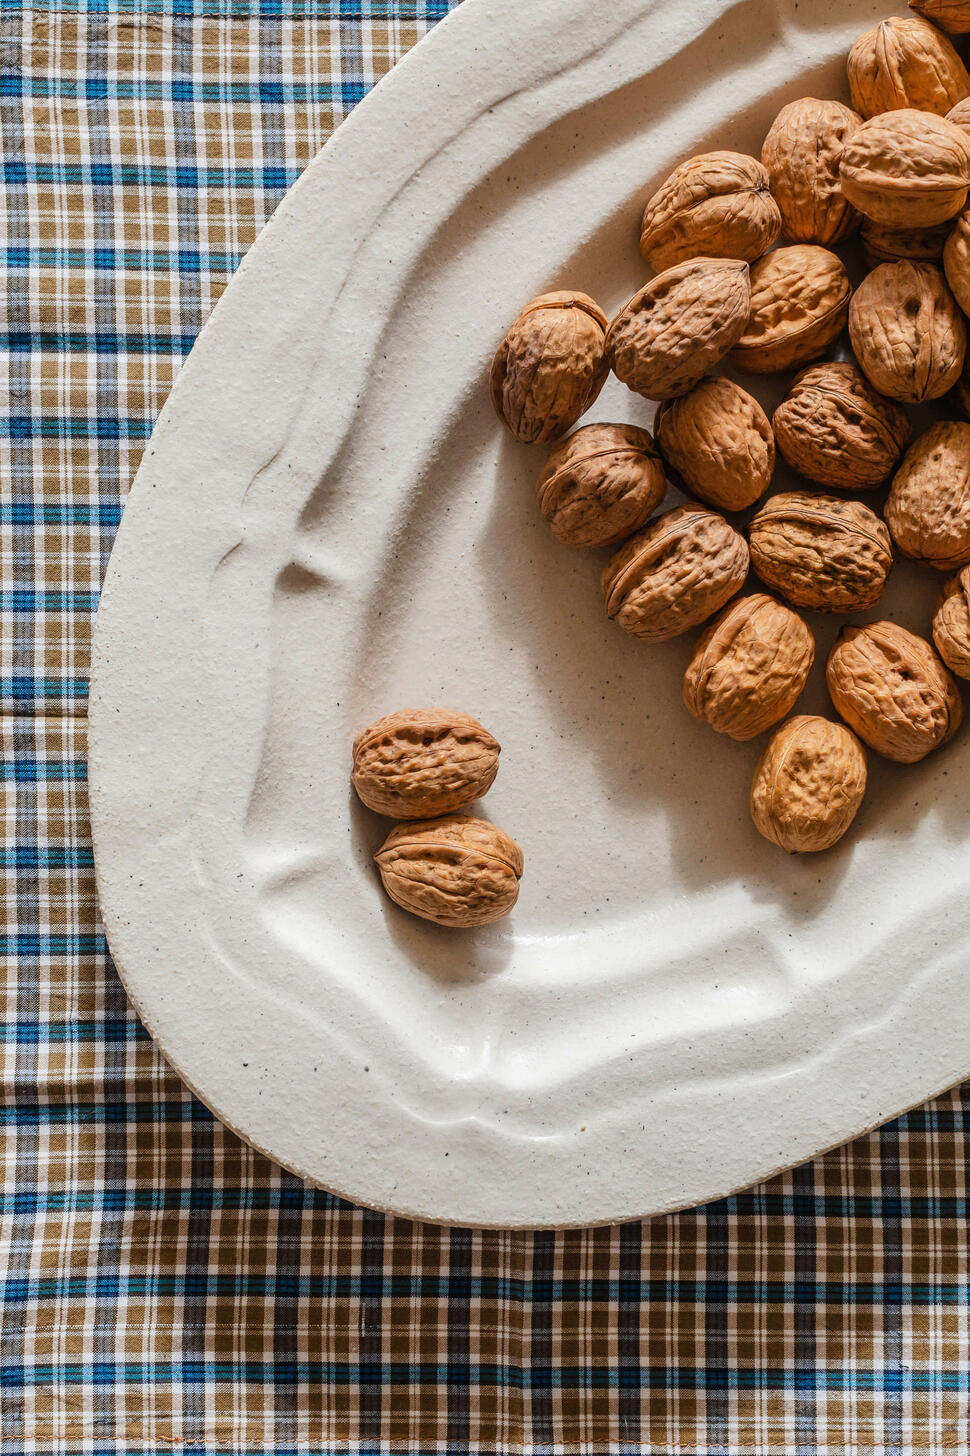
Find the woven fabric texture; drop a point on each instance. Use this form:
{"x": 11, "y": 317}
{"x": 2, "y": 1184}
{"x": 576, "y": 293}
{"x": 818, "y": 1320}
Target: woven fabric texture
{"x": 163, "y": 1288}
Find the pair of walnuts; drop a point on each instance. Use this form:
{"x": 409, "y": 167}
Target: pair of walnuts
{"x": 895, "y": 167}
{"x": 422, "y": 767}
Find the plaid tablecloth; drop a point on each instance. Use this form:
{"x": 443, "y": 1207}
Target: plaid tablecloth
{"x": 163, "y": 1288}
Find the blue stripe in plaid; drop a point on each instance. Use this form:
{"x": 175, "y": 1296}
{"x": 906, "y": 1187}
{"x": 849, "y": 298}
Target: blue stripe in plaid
{"x": 355, "y": 12}
{"x": 21, "y": 343}
{"x": 113, "y": 260}
{"x": 105, "y": 515}
{"x": 24, "y": 427}
{"x": 261, "y": 93}
{"x": 26, "y": 1033}
{"x": 33, "y": 856}
{"x": 28, "y": 688}
{"x": 42, "y": 770}
{"x": 17, "y": 173}
{"x": 32, "y": 601}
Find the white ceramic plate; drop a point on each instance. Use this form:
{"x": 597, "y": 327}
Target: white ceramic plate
{"x": 329, "y": 524}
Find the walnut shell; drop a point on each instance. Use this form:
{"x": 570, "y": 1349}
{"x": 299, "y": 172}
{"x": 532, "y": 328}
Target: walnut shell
{"x": 799, "y": 305}
{"x": 714, "y": 206}
{"x": 928, "y": 508}
{"x": 675, "y": 574}
{"x": 550, "y": 366}
{"x": 833, "y": 428}
{"x": 953, "y": 16}
{"x": 961, "y": 393}
{"x": 895, "y": 245}
{"x": 456, "y": 871}
{"x": 718, "y": 440}
{"x": 808, "y": 785}
{"x": 422, "y": 762}
{"x": 956, "y": 261}
{"x": 890, "y": 686}
{"x": 679, "y": 326}
{"x": 601, "y": 484}
{"x": 951, "y": 623}
{"x": 960, "y": 116}
{"x": 907, "y": 331}
{"x": 905, "y": 62}
{"x": 801, "y": 153}
{"x": 907, "y": 169}
{"x": 820, "y": 551}
{"x": 749, "y": 667}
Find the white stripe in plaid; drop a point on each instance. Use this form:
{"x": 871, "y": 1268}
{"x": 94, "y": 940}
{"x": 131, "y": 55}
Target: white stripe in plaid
{"x": 164, "y": 1288}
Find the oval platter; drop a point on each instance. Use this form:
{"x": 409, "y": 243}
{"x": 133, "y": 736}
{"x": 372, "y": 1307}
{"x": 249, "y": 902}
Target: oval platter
{"x": 328, "y": 524}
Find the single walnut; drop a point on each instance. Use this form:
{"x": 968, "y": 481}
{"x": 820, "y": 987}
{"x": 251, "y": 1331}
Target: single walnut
{"x": 961, "y": 393}
{"x": 821, "y": 552}
{"x": 749, "y": 667}
{"x": 601, "y": 484}
{"x": 956, "y": 261}
{"x": 799, "y": 305}
{"x": 456, "y": 871}
{"x": 675, "y": 574}
{"x": 896, "y": 245}
{"x": 833, "y": 428}
{"x": 907, "y": 169}
{"x": 714, "y": 206}
{"x": 953, "y": 16}
{"x": 907, "y": 332}
{"x": 418, "y": 763}
{"x": 550, "y": 366}
{"x": 679, "y": 326}
{"x": 905, "y": 62}
{"x": 801, "y": 153}
{"x": 890, "y": 686}
{"x": 808, "y": 785}
{"x": 928, "y": 509}
{"x": 951, "y": 623}
{"x": 718, "y": 440}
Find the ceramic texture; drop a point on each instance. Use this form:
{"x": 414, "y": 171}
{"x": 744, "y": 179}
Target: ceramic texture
{"x": 330, "y": 524}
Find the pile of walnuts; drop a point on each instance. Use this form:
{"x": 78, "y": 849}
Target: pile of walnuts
{"x": 895, "y": 166}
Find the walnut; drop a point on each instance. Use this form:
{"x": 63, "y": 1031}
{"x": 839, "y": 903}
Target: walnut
{"x": 799, "y": 305}
{"x": 808, "y": 785}
{"x": 820, "y": 551}
{"x": 833, "y": 428}
{"x": 714, "y": 206}
{"x": 749, "y": 667}
{"x": 422, "y": 762}
{"x": 961, "y": 393}
{"x": 956, "y": 261}
{"x": 960, "y": 116}
{"x": 550, "y": 366}
{"x": 905, "y": 62}
{"x": 718, "y": 440}
{"x": 801, "y": 153}
{"x": 679, "y": 326}
{"x": 896, "y": 245}
{"x": 953, "y": 16}
{"x": 456, "y": 871}
{"x": 907, "y": 332}
{"x": 951, "y": 623}
{"x": 601, "y": 484}
{"x": 675, "y": 574}
{"x": 890, "y": 686}
{"x": 907, "y": 169}
{"x": 928, "y": 509}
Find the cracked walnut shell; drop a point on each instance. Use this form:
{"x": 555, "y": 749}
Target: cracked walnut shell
{"x": 675, "y": 574}
{"x": 550, "y": 366}
{"x": 718, "y": 440}
{"x": 907, "y": 332}
{"x": 717, "y": 205}
{"x": 749, "y": 667}
{"x": 418, "y": 763}
{"x": 928, "y": 508}
{"x": 833, "y": 428}
{"x": 674, "y": 331}
{"x": 799, "y": 305}
{"x": 601, "y": 484}
{"x": 951, "y": 623}
{"x": 905, "y": 62}
{"x": 893, "y": 690}
{"x": 801, "y": 153}
{"x": 907, "y": 169}
{"x": 457, "y": 871}
{"x": 820, "y": 551}
{"x": 808, "y": 785}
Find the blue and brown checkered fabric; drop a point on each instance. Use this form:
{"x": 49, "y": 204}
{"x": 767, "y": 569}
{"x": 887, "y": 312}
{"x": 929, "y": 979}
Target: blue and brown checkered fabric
{"x": 163, "y": 1288}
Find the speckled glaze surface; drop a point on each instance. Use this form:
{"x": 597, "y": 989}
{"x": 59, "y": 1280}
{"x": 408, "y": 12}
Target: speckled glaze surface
{"x": 330, "y": 524}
